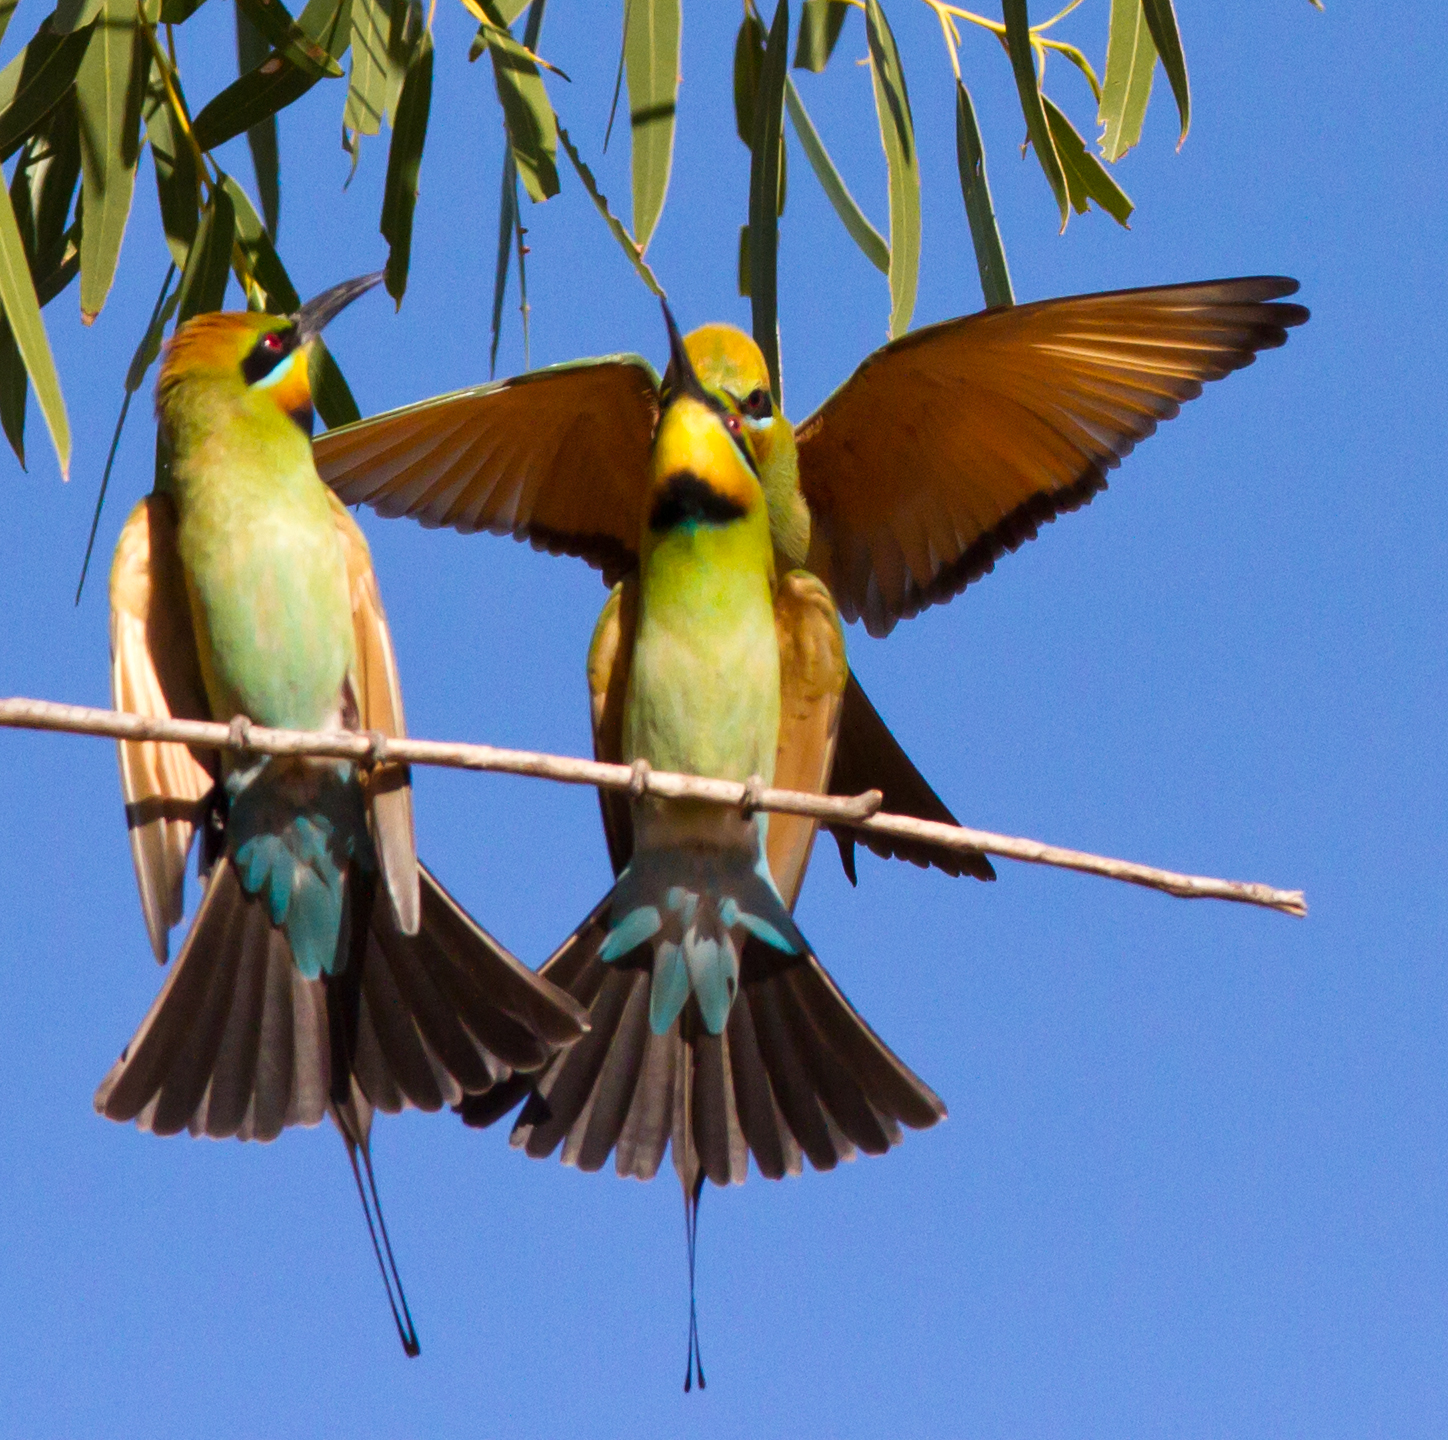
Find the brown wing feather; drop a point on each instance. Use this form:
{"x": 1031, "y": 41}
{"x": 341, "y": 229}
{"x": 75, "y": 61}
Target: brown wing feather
{"x": 378, "y": 694}
{"x": 868, "y": 757}
{"x": 950, "y": 446}
{"x": 812, "y": 676}
{"x": 557, "y": 457}
{"x": 610, "y": 658}
{"x": 154, "y": 671}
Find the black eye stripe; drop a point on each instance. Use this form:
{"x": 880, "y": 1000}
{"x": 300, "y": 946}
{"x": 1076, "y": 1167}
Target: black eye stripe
{"x": 269, "y": 351}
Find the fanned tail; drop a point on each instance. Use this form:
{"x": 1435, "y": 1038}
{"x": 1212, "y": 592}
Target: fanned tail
{"x": 240, "y": 1043}
{"x": 795, "y": 1073}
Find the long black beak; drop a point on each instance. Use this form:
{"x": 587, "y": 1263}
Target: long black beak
{"x": 318, "y": 313}
{"x": 679, "y": 378}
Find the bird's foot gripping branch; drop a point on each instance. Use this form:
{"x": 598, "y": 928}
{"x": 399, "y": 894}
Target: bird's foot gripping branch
{"x": 858, "y": 812}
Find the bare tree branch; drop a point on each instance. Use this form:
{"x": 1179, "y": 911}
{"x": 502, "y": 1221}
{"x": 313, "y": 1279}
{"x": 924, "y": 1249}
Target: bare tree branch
{"x": 860, "y": 812}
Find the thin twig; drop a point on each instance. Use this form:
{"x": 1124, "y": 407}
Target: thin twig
{"x": 859, "y": 812}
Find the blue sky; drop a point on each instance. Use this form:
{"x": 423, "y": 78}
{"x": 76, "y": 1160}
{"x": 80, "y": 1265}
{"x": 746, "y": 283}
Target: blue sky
{"x": 1193, "y": 1178}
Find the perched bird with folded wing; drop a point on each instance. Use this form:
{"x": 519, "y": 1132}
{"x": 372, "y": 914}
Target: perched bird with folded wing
{"x": 714, "y": 1029}
{"x": 944, "y": 450}
{"x": 326, "y": 971}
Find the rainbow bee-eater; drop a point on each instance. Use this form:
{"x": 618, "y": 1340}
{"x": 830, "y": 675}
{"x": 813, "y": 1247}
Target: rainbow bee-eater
{"x": 944, "y": 450}
{"x": 714, "y": 1029}
{"x": 326, "y": 972}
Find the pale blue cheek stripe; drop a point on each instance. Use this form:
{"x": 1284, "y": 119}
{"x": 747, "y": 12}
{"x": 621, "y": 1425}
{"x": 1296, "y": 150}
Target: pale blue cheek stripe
{"x": 275, "y": 377}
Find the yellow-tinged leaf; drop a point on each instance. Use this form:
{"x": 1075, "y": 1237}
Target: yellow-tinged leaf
{"x": 1086, "y": 177}
{"x": 651, "y": 57}
{"x": 1130, "y": 64}
{"x": 630, "y": 247}
{"x": 897, "y": 135}
{"x": 110, "y": 86}
{"x": 870, "y": 241}
{"x": 527, "y": 112}
{"x": 380, "y": 46}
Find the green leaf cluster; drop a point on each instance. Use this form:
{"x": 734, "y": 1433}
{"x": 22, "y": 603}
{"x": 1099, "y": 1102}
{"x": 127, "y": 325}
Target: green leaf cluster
{"x": 97, "y": 84}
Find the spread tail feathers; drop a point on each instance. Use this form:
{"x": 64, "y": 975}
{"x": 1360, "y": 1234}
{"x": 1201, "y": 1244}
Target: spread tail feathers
{"x": 240, "y": 1043}
{"x": 794, "y": 1073}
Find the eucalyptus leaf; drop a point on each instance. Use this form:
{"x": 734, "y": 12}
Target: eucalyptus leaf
{"x": 749, "y": 47}
{"x": 278, "y": 81}
{"x": 404, "y": 160}
{"x": 36, "y": 80}
{"x": 175, "y": 12}
{"x": 651, "y": 58}
{"x": 379, "y": 63}
{"x": 72, "y": 15}
{"x": 259, "y": 253}
{"x": 1130, "y": 64}
{"x": 870, "y": 241}
{"x": 1023, "y": 66}
{"x": 203, "y": 281}
{"x": 273, "y": 22}
{"x": 507, "y": 220}
{"x": 45, "y": 181}
{"x": 897, "y": 135}
{"x": 331, "y": 395}
{"x": 764, "y": 173}
{"x": 177, "y": 184}
{"x": 1162, "y": 21}
{"x": 985, "y": 235}
{"x": 1086, "y": 177}
{"x": 261, "y": 139}
{"x": 110, "y": 85}
{"x": 14, "y": 391}
{"x": 500, "y": 12}
{"x": 616, "y": 227}
{"x": 527, "y": 113}
{"x": 748, "y": 63}
{"x": 22, "y": 311}
{"x": 820, "y": 22}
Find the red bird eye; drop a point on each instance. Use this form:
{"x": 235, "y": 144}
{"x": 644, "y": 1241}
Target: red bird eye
{"x": 759, "y": 405}
{"x": 733, "y": 425}
{"x": 272, "y": 343}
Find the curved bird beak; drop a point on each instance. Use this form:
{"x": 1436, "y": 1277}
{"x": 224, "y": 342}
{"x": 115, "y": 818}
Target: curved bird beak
{"x": 679, "y": 378}
{"x": 318, "y": 313}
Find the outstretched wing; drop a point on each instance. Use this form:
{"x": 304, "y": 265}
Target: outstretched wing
{"x": 950, "y": 446}
{"x": 812, "y": 676}
{"x": 557, "y": 457}
{"x": 378, "y": 695}
{"x": 155, "y": 672}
